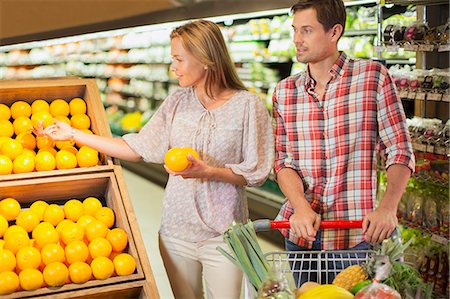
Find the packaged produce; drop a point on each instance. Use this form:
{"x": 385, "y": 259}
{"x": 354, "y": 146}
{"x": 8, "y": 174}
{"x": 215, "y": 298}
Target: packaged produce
{"x": 377, "y": 291}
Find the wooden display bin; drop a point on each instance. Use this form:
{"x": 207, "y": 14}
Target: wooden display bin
{"x": 112, "y": 193}
{"x": 66, "y": 89}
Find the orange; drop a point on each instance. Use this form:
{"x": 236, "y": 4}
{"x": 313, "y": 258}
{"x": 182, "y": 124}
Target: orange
{"x": 54, "y": 214}
{"x": 9, "y": 208}
{"x": 31, "y": 279}
{"x": 44, "y": 161}
{"x": 42, "y": 116}
{"x": 5, "y": 113}
{"x": 28, "y": 258}
{"x": 65, "y": 160}
{"x": 23, "y": 163}
{"x": 9, "y": 282}
{"x": 102, "y": 267}
{"x": 85, "y": 220}
{"x": 62, "y": 144}
{"x": 80, "y": 121}
{"x": 105, "y": 215}
{"x": 62, "y": 226}
{"x": 80, "y": 144}
{"x": 64, "y": 119}
{"x": 3, "y": 139}
{"x": 20, "y": 108}
{"x": 176, "y": 158}
{"x": 87, "y": 157}
{"x": 73, "y": 209}
{"x": 56, "y": 274}
{"x": 80, "y": 272}
{"x": 59, "y": 107}
{"x": 51, "y": 150}
{"x": 39, "y": 207}
{"x": 71, "y": 149}
{"x": 96, "y": 229}
{"x": 76, "y": 251}
{"x": 51, "y": 253}
{"x": 6, "y": 165}
{"x": 77, "y": 106}
{"x": 29, "y": 153}
{"x": 91, "y": 205}
{"x": 118, "y": 239}
{"x": 28, "y": 220}
{"x": 11, "y": 148}
{"x": 15, "y": 242}
{"x": 3, "y": 225}
{"x": 99, "y": 247}
{"x": 22, "y": 124}
{"x": 124, "y": 264}
{"x": 14, "y": 230}
{"x": 44, "y": 142}
{"x": 193, "y": 152}
{"x": 7, "y": 260}
{"x": 72, "y": 232}
{"x": 39, "y": 105}
{"x": 2, "y": 243}
{"x": 6, "y": 128}
{"x": 27, "y": 140}
{"x": 44, "y": 233}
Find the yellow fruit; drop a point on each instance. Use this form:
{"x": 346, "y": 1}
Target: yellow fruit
{"x": 63, "y": 144}
{"x": 80, "y": 121}
{"x": 71, "y": 149}
{"x": 15, "y": 242}
{"x": 39, "y": 207}
{"x": 23, "y": 163}
{"x": 62, "y": 226}
{"x": 102, "y": 267}
{"x": 51, "y": 253}
{"x": 176, "y": 158}
{"x": 65, "y": 160}
{"x": 96, "y": 229}
{"x": 72, "y": 232}
{"x": 99, "y": 247}
{"x": 28, "y": 258}
{"x": 6, "y": 128}
{"x": 118, "y": 239}
{"x": 3, "y": 225}
{"x": 59, "y": 107}
{"x": 14, "y": 230}
{"x": 20, "y": 108}
{"x": 42, "y": 116}
{"x": 87, "y": 157}
{"x": 6, "y": 165}
{"x": 5, "y": 113}
{"x": 84, "y": 220}
{"x": 326, "y": 291}
{"x": 29, "y": 153}
{"x": 77, "y": 106}
{"x": 76, "y": 251}
{"x": 28, "y": 220}
{"x": 11, "y": 148}
{"x": 80, "y": 272}
{"x": 7, "y": 260}
{"x": 9, "y": 282}
{"x": 44, "y": 161}
{"x": 51, "y": 150}
{"x": 64, "y": 119}
{"x": 124, "y": 264}
{"x": 350, "y": 276}
{"x": 44, "y": 142}
{"x": 39, "y": 105}
{"x": 31, "y": 279}
{"x": 73, "y": 209}
{"x": 54, "y": 214}
{"x": 22, "y": 124}
{"x": 91, "y": 205}
{"x": 9, "y": 208}
{"x": 305, "y": 287}
{"x": 27, "y": 140}
{"x": 105, "y": 215}
{"x": 44, "y": 233}
{"x": 56, "y": 274}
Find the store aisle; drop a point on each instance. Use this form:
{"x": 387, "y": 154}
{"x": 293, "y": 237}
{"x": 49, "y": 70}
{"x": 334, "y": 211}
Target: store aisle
{"x": 147, "y": 203}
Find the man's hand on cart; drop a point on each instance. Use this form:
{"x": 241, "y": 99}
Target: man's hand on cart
{"x": 379, "y": 225}
{"x": 305, "y": 223}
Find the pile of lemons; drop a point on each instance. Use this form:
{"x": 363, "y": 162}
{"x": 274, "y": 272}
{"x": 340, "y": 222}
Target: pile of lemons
{"x": 48, "y": 245}
{"x": 21, "y": 151}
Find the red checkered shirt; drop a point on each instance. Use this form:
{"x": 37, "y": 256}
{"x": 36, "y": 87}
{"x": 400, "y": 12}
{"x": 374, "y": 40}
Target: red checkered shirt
{"x": 333, "y": 142}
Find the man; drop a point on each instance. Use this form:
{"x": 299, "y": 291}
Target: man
{"x": 330, "y": 122}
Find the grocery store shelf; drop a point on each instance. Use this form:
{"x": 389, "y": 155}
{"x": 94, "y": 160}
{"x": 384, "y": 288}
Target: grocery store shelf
{"x": 437, "y": 236}
{"x": 360, "y": 32}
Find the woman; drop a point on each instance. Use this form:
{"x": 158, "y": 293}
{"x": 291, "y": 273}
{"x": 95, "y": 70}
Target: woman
{"x": 230, "y": 129}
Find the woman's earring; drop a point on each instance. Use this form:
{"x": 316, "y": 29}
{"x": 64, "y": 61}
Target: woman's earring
{"x": 206, "y": 68}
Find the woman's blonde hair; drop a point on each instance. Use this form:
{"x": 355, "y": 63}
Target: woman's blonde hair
{"x": 204, "y": 40}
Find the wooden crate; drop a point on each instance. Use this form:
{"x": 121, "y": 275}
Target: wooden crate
{"x": 113, "y": 193}
{"x": 66, "y": 89}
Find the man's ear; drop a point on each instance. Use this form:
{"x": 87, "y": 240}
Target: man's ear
{"x": 336, "y": 31}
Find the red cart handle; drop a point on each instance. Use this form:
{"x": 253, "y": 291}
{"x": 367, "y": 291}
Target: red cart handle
{"x": 266, "y": 224}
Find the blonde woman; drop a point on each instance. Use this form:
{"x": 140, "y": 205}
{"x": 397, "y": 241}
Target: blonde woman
{"x": 230, "y": 129}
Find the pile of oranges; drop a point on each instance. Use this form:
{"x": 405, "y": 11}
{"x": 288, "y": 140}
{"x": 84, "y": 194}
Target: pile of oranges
{"x": 49, "y": 245}
{"x": 21, "y": 151}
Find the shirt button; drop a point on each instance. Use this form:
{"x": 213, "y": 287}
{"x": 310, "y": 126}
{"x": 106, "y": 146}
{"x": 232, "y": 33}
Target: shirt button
{"x": 325, "y": 134}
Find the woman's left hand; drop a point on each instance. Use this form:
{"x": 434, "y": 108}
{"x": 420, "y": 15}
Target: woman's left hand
{"x": 197, "y": 170}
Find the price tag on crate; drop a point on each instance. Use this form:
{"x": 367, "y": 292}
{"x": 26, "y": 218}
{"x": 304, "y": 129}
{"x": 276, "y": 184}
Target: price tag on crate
{"x": 446, "y": 97}
{"x": 432, "y": 96}
{"x": 420, "y": 96}
{"x": 444, "y": 48}
{"x": 410, "y": 47}
{"x": 379, "y": 48}
{"x": 392, "y": 48}
{"x": 430, "y": 148}
{"x": 403, "y": 94}
{"x": 440, "y": 150}
{"x": 420, "y": 147}
{"x": 426, "y": 48}
{"x": 411, "y": 95}
{"x": 439, "y": 239}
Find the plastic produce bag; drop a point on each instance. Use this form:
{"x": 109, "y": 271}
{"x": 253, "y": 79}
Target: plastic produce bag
{"x": 275, "y": 286}
{"x": 377, "y": 291}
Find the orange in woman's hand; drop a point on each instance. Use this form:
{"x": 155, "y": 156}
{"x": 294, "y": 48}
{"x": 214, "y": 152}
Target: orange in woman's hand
{"x": 176, "y": 158}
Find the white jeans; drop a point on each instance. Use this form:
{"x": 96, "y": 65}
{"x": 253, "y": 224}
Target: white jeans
{"x": 185, "y": 262}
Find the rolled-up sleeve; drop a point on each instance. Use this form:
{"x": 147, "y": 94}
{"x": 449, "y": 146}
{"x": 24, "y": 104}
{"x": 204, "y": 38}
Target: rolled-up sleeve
{"x": 393, "y": 130}
{"x": 258, "y": 145}
{"x": 152, "y": 141}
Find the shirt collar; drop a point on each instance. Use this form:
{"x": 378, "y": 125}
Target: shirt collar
{"x": 337, "y": 70}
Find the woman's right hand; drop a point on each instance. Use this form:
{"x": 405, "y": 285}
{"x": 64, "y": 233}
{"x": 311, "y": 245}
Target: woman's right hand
{"x": 58, "y": 131}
